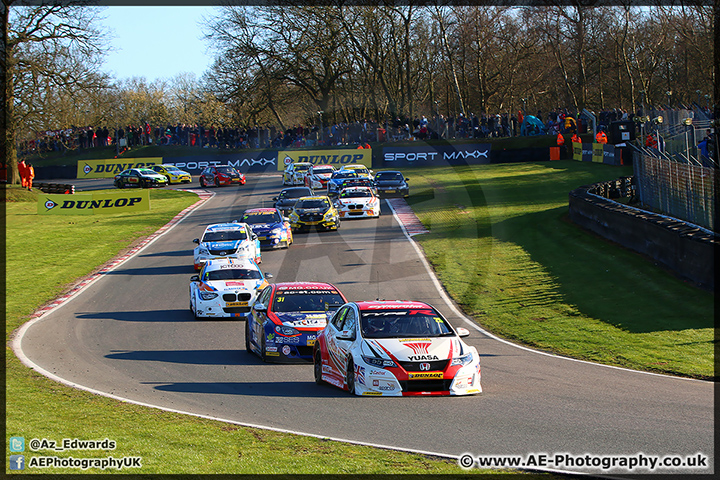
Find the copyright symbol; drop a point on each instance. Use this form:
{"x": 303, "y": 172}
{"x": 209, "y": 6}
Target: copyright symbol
{"x": 34, "y": 444}
{"x": 466, "y": 461}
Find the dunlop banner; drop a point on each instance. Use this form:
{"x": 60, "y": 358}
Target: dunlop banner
{"x": 336, "y": 158}
{"x": 108, "y": 168}
{"x": 577, "y": 151}
{"x": 94, "y": 203}
{"x": 597, "y": 155}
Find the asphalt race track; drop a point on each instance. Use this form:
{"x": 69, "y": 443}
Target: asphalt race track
{"x": 130, "y": 334}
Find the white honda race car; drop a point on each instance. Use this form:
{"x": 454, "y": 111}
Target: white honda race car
{"x": 226, "y": 240}
{"x": 317, "y": 176}
{"x": 358, "y": 202}
{"x": 226, "y": 288}
{"x": 396, "y": 348}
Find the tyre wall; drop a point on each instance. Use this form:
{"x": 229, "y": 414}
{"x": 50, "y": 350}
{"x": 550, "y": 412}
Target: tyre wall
{"x": 686, "y": 249}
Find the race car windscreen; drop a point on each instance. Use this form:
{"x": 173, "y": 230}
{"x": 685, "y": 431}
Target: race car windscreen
{"x": 261, "y": 217}
{"x": 224, "y": 236}
{"x": 306, "y": 301}
{"x": 403, "y": 323}
{"x": 327, "y": 169}
{"x": 295, "y": 193}
{"x": 355, "y": 193}
{"x": 227, "y": 170}
{"x": 346, "y": 174}
{"x": 314, "y": 203}
{"x": 233, "y": 274}
{"x": 386, "y": 176}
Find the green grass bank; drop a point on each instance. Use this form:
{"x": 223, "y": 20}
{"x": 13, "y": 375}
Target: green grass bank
{"x": 503, "y": 247}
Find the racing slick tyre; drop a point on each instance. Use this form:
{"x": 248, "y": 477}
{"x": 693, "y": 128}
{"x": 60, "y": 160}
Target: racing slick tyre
{"x": 202, "y": 182}
{"x": 217, "y": 183}
{"x": 262, "y": 349}
{"x": 350, "y": 376}
{"x": 247, "y": 337}
{"x": 317, "y": 368}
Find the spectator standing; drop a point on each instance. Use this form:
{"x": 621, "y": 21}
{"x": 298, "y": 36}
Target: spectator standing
{"x": 30, "y": 175}
{"x": 601, "y": 137}
{"x": 22, "y": 170}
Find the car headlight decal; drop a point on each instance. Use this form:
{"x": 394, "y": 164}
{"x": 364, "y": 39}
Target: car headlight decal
{"x": 464, "y": 360}
{"x": 286, "y": 331}
{"x": 207, "y": 295}
{"x": 378, "y": 362}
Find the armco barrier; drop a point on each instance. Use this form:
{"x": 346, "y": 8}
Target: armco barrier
{"x": 686, "y": 249}
{"x": 55, "y": 188}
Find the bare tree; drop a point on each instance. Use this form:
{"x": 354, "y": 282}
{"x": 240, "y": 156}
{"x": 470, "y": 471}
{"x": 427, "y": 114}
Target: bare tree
{"x": 47, "y": 48}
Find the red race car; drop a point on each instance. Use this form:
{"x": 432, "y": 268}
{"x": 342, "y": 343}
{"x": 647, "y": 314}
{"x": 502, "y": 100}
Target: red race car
{"x": 395, "y": 348}
{"x": 221, "y": 175}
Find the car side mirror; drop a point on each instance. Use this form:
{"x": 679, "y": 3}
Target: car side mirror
{"x": 406, "y": 179}
{"x": 275, "y": 199}
{"x": 269, "y": 275}
{"x": 332, "y": 307}
{"x": 196, "y": 240}
{"x": 286, "y": 219}
{"x": 260, "y": 307}
{"x": 195, "y": 278}
{"x": 346, "y": 335}
{"x": 462, "y": 332}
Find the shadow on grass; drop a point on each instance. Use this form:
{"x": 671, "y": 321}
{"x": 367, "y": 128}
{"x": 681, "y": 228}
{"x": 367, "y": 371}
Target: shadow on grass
{"x": 604, "y": 280}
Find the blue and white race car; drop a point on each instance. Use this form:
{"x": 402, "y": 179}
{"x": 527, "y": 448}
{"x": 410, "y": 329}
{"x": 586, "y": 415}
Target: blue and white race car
{"x": 226, "y": 240}
{"x": 286, "y": 318}
{"x": 273, "y": 230}
{"x": 226, "y": 288}
{"x": 336, "y": 180}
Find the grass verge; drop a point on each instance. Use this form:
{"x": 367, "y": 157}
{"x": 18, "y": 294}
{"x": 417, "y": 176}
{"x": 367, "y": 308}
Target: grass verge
{"x": 37, "y": 407}
{"x": 529, "y": 274}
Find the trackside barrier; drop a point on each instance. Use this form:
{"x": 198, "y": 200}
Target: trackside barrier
{"x": 623, "y": 187}
{"x": 55, "y": 188}
{"x": 684, "y": 248}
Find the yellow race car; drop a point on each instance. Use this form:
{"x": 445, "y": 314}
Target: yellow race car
{"x": 173, "y": 174}
{"x": 314, "y": 212}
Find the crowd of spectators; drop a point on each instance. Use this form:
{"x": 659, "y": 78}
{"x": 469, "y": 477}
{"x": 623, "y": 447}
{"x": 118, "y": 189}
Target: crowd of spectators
{"x": 459, "y": 126}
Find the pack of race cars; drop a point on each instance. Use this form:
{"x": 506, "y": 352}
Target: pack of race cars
{"x": 391, "y": 348}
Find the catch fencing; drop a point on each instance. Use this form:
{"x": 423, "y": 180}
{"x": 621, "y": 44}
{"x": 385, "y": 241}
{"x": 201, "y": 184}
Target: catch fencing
{"x": 680, "y": 190}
